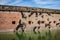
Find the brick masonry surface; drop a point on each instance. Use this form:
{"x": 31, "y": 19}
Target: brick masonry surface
{"x": 10, "y": 19}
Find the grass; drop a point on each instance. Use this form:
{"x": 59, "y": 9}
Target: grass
{"x": 43, "y": 35}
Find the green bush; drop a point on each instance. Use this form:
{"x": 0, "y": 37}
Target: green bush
{"x": 45, "y": 35}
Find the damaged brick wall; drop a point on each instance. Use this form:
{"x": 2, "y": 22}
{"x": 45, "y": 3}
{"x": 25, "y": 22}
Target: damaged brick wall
{"x": 42, "y": 20}
{"x": 8, "y": 20}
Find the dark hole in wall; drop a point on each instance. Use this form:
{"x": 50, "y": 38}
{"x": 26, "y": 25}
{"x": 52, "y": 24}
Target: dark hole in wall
{"x": 29, "y": 22}
{"x": 49, "y": 14}
{"x": 19, "y": 21}
{"x": 42, "y": 16}
{"x": 38, "y": 22}
{"x": 42, "y": 21}
{"x": 57, "y": 24}
{"x": 54, "y": 21}
{"x": 49, "y": 27}
{"x": 59, "y": 19}
{"x": 32, "y": 22}
{"x": 23, "y": 15}
{"x": 49, "y": 22}
{"x": 38, "y": 27}
{"x": 31, "y": 14}
{"x": 34, "y": 28}
{"x": 13, "y": 22}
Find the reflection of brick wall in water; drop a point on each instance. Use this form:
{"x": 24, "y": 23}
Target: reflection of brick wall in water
{"x": 10, "y": 19}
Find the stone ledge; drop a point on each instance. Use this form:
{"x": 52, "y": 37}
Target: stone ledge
{"x": 26, "y": 9}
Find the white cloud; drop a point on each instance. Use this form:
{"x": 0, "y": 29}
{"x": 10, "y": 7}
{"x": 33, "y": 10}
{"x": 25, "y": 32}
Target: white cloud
{"x": 55, "y": 4}
{"x": 52, "y": 4}
{"x": 46, "y": 2}
{"x": 7, "y": 2}
{"x": 17, "y": 1}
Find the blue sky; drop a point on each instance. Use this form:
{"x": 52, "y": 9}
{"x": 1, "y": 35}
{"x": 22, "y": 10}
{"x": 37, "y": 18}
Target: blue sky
{"x": 52, "y": 4}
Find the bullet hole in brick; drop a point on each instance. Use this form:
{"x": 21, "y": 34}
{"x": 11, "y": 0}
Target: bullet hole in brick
{"x": 13, "y": 22}
{"x": 42, "y": 21}
{"x": 49, "y": 27}
{"x": 38, "y": 27}
{"x": 54, "y": 21}
{"x": 45, "y": 25}
{"x": 38, "y": 22}
{"x": 59, "y": 19}
{"x": 31, "y": 14}
{"x": 49, "y": 22}
{"x": 29, "y": 22}
{"x": 57, "y": 24}
{"x": 42, "y": 16}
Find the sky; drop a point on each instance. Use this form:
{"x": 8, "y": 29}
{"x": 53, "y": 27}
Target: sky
{"x": 51, "y": 4}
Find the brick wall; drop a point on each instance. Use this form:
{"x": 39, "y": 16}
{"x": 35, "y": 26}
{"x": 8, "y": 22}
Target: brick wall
{"x": 9, "y": 20}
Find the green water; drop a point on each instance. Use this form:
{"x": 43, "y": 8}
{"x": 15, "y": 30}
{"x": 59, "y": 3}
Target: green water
{"x": 42, "y": 35}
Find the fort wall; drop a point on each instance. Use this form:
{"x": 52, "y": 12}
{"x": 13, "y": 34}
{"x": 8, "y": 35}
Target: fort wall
{"x": 10, "y": 16}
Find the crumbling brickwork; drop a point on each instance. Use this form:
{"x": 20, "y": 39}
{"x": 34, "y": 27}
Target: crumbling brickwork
{"x": 32, "y": 17}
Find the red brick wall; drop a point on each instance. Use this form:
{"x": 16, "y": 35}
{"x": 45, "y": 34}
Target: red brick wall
{"x": 6, "y": 19}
